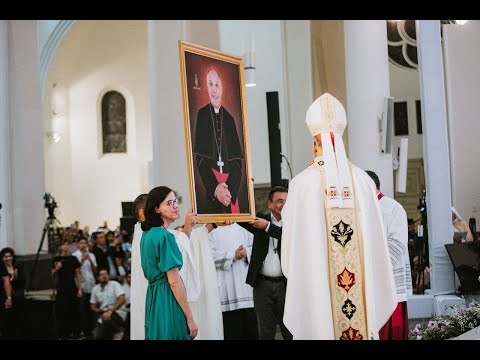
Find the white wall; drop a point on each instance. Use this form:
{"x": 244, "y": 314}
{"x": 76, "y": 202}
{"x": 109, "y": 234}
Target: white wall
{"x": 462, "y": 57}
{"x": 404, "y": 86}
{"x": 269, "y": 74}
{"x": 95, "y": 57}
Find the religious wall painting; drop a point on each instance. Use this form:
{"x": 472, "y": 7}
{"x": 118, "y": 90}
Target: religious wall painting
{"x": 216, "y": 134}
{"x": 114, "y": 123}
{"x": 400, "y": 116}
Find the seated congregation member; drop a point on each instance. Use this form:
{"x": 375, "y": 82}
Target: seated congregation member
{"x": 106, "y": 301}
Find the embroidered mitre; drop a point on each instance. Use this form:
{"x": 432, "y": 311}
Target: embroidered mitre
{"x": 326, "y": 115}
{"x": 326, "y": 118}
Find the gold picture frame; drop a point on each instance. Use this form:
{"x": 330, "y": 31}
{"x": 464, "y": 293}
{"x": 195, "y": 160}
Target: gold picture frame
{"x": 216, "y": 134}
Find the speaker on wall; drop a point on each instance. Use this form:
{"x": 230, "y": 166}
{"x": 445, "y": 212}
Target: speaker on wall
{"x": 274, "y": 141}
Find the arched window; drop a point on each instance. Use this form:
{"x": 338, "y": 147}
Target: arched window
{"x": 114, "y": 123}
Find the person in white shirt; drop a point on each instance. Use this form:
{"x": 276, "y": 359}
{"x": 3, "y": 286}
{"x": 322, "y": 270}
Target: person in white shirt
{"x": 106, "y": 300}
{"x": 265, "y": 271}
{"x": 396, "y": 227}
{"x": 88, "y": 272}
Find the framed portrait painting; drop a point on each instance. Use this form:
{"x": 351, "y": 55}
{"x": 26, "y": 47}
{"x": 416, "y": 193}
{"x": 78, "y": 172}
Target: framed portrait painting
{"x": 216, "y": 134}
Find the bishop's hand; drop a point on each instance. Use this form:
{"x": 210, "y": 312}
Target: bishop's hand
{"x": 223, "y": 194}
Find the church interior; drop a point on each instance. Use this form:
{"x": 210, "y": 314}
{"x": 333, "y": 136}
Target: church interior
{"x": 61, "y": 77}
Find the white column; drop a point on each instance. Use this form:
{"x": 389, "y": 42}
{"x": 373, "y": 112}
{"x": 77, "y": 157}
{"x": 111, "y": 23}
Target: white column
{"x": 298, "y": 94}
{"x": 435, "y": 150}
{"x": 169, "y": 164}
{"x": 27, "y": 137}
{"x": 5, "y": 169}
{"x": 367, "y": 82}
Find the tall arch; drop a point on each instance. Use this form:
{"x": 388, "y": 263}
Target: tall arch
{"x": 47, "y": 51}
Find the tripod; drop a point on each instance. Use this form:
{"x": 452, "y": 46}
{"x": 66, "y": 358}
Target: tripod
{"x": 49, "y": 228}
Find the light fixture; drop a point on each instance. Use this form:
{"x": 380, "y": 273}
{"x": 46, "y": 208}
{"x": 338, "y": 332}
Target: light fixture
{"x": 461, "y": 22}
{"x": 250, "y": 77}
{"x": 249, "y": 64}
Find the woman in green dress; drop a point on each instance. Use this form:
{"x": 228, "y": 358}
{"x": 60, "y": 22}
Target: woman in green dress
{"x": 167, "y": 313}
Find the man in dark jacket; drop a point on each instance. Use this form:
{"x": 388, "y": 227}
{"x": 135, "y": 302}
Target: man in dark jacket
{"x": 265, "y": 272}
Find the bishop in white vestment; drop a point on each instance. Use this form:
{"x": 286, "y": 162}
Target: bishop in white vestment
{"x": 334, "y": 252}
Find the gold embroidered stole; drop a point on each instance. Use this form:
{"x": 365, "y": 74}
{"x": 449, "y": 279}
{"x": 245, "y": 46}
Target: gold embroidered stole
{"x": 345, "y": 263}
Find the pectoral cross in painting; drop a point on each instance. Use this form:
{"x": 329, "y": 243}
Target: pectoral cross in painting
{"x": 220, "y": 163}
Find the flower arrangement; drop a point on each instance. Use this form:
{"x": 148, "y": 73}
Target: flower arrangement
{"x": 445, "y": 327}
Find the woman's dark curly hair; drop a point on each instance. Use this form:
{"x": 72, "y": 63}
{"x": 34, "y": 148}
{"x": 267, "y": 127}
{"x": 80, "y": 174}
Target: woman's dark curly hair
{"x": 154, "y": 199}
{"x": 6, "y": 251}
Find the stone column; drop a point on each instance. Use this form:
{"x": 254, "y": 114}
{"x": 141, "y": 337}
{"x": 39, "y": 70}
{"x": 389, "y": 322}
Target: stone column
{"x": 27, "y": 136}
{"x": 367, "y": 83}
{"x": 169, "y": 163}
{"x": 299, "y": 96}
{"x": 435, "y": 153}
{"x": 5, "y": 166}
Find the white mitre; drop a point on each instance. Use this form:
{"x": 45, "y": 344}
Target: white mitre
{"x": 326, "y": 117}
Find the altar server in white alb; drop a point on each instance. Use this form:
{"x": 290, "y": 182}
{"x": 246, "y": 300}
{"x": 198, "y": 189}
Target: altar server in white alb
{"x": 334, "y": 251}
{"x": 396, "y": 227}
{"x": 231, "y": 250}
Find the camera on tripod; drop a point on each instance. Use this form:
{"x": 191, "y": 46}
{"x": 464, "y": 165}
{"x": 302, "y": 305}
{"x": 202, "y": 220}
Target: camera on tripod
{"x": 422, "y": 206}
{"x": 50, "y": 204}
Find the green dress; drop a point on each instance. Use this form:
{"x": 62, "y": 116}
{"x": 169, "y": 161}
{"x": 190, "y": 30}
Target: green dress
{"x": 164, "y": 318}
